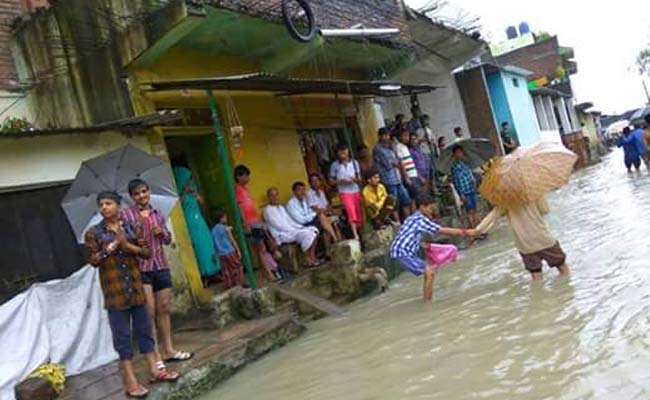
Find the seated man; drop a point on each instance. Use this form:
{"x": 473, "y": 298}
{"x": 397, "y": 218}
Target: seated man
{"x": 300, "y": 211}
{"x": 285, "y": 230}
{"x": 379, "y": 204}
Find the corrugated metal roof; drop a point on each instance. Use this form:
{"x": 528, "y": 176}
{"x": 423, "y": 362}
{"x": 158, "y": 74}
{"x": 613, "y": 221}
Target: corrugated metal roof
{"x": 549, "y": 92}
{"x": 128, "y": 124}
{"x": 263, "y": 82}
{"x": 451, "y": 45}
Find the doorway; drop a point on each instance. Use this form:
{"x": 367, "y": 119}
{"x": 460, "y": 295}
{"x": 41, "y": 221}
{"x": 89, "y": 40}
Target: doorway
{"x": 318, "y": 145}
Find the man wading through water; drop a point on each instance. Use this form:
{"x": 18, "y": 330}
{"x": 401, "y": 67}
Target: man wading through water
{"x": 533, "y": 238}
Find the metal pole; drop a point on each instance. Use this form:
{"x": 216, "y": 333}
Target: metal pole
{"x": 645, "y": 87}
{"x": 359, "y": 32}
{"x": 230, "y": 187}
{"x": 346, "y": 132}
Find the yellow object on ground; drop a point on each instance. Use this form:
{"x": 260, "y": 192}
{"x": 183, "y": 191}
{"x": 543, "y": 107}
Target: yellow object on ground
{"x": 54, "y": 373}
{"x": 527, "y": 174}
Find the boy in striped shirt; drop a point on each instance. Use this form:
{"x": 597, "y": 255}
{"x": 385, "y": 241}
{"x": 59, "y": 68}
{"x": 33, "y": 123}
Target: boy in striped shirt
{"x": 406, "y": 247}
{"x": 409, "y": 171}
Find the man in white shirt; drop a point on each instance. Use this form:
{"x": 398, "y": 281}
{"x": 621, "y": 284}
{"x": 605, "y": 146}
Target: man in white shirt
{"x": 285, "y": 230}
{"x": 301, "y": 212}
{"x": 317, "y": 200}
{"x": 409, "y": 172}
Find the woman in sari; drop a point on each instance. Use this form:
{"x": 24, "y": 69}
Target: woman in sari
{"x": 199, "y": 231}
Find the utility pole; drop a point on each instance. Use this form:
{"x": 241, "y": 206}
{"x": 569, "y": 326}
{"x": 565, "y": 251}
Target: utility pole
{"x": 645, "y": 88}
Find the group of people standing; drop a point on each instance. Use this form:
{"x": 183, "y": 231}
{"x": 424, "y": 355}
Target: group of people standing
{"x": 636, "y": 145}
{"x": 379, "y": 186}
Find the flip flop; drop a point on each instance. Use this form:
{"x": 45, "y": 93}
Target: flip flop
{"x": 160, "y": 365}
{"x": 180, "y": 356}
{"x": 284, "y": 274}
{"x": 165, "y": 376}
{"x": 141, "y": 393}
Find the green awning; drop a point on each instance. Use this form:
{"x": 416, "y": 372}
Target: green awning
{"x": 221, "y": 32}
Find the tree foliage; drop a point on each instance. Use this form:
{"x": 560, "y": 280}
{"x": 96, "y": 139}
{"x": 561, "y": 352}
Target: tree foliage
{"x": 643, "y": 61}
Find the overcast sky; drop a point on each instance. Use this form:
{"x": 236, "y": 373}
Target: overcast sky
{"x": 606, "y": 37}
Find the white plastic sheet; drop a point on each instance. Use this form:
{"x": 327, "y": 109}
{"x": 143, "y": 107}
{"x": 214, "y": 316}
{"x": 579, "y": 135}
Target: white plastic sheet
{"x": 60, "y": 321}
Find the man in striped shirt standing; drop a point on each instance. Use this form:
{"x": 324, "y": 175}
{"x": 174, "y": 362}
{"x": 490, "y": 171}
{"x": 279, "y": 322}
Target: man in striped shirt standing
{"x": 155, "y": 272}
{"x": 407, "y": 245}
{"x": 409, "y": 171}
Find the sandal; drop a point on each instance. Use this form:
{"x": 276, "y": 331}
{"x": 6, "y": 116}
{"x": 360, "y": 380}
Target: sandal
{"x": 180, "y": 356}
{"x": 284, "y": 274}
{"x": 141, "y": 392}
{"x": 165, "y": 376}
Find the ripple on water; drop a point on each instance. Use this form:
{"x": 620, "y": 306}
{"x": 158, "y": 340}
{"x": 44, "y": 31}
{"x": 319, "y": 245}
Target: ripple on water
{"x": 489, "y": 333}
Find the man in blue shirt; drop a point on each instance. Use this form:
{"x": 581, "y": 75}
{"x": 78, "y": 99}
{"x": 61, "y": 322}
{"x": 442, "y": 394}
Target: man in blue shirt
{"x": 640, "y": 143}
{"x": 406, "y": 246}
{"x": 388, "y": 166}
{"x": 464, "y": 183}
{"x": 633, "y": 147}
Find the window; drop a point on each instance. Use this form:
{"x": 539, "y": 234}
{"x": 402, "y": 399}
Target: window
{"x": 36, "y": 241}
{"x": 515, "y": 82}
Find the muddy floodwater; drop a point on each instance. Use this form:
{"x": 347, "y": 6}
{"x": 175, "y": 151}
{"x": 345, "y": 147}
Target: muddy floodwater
{"x": 489, "y": 334}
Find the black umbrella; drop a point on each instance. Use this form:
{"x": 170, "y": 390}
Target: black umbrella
{"x": 113, "y": 171}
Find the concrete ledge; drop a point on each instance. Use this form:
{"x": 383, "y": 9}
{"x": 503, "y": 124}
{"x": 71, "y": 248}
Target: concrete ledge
{"x": 218, "y": 355}
{"x": 241, "y": 325}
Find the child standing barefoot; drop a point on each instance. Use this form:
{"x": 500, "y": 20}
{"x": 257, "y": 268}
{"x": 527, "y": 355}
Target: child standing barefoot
{"x": 406, "y": 246}
{"x": 228, "y": 252}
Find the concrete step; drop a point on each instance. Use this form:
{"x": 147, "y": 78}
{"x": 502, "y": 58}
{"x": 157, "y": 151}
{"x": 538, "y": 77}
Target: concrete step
{"x": 303, "y": 296}
{"x": 218, "y": 355}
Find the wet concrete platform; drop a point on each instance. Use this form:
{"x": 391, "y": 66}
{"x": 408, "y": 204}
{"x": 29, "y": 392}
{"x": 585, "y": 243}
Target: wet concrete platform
{"x": 218, "y": 355}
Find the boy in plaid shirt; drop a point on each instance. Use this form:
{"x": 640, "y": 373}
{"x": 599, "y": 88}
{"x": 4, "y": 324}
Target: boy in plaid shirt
{"x": 114, "y": 246}
{"x": 464, "y": 183}
{"x": 407, "y": 245}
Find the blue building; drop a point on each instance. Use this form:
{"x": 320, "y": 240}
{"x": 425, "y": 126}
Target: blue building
{"x": 512, "y": 102}
{"x": 495, "y": 94}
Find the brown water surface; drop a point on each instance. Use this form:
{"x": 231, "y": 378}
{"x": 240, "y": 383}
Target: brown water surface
{"x": 490, "y": 334}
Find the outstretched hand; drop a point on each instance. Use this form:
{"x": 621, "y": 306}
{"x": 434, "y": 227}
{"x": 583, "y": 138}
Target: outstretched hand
{"x": 473, "y": 232}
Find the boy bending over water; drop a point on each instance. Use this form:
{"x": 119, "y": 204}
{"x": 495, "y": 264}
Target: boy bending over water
{"x": 406, "y": 246}
{"x": 533, "y": 239}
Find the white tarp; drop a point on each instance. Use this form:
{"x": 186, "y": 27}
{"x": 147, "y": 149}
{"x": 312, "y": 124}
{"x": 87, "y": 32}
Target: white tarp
{"x": 61, "y": 321}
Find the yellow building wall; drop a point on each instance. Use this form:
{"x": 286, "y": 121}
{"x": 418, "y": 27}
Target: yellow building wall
{"x": 270, "y": 145}
{"x": 183, "y": 265}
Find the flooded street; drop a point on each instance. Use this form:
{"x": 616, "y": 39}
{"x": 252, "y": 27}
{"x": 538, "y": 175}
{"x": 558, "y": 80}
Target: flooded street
{"x": 489, "y": 334}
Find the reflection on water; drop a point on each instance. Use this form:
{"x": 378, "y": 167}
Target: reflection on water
{"x": 489, "y": 334}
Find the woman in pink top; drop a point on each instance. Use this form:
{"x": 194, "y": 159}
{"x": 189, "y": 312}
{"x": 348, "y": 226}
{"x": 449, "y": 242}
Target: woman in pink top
{"x": 253, "y": 225}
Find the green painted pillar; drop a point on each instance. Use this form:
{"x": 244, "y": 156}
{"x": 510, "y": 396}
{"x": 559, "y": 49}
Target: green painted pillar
{"x": 346, "y": 129}
{"x": 230, "y": 188}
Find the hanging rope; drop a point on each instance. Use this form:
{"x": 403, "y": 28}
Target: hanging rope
{"x": 235, "y": 127}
